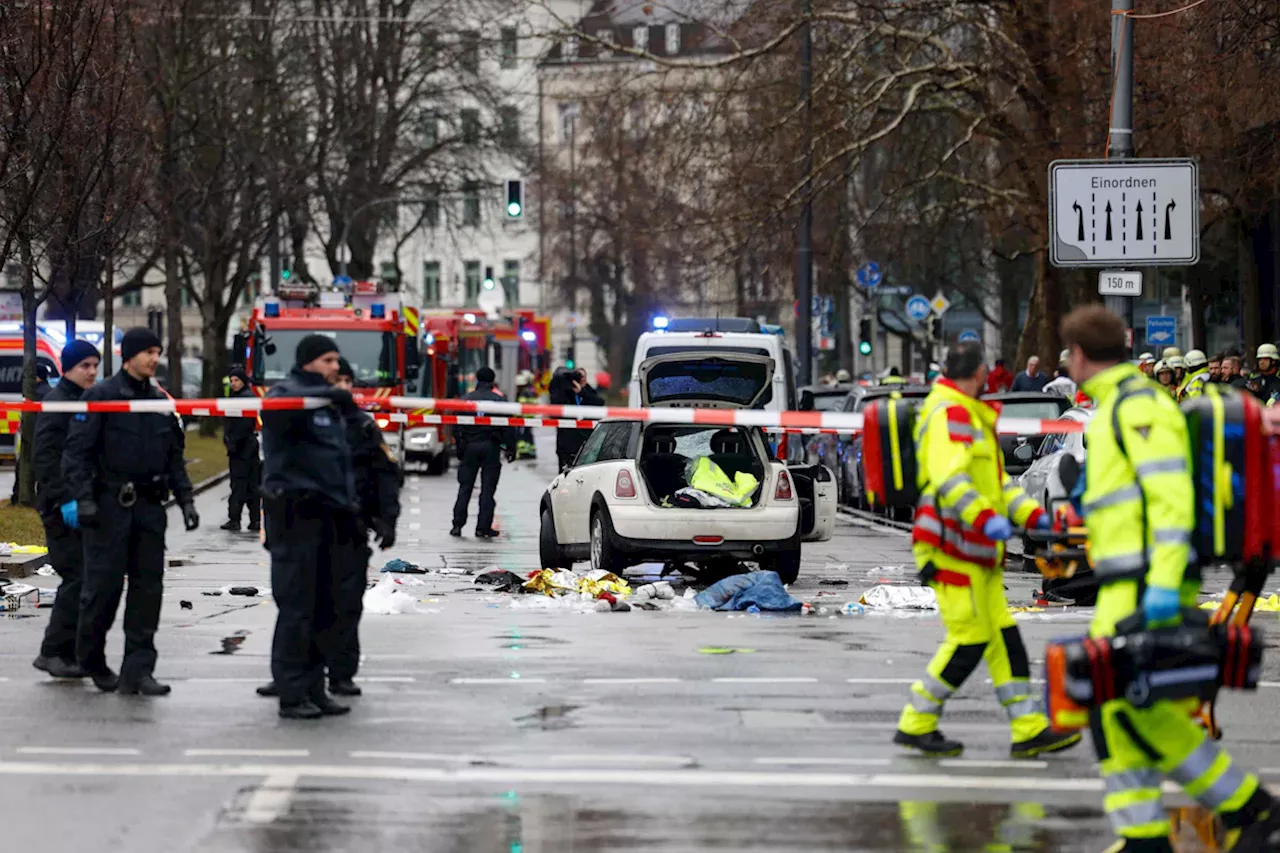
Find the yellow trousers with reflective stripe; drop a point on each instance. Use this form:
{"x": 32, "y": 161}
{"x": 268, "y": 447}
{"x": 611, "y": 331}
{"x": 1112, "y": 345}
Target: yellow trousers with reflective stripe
{"x": 1137, "y": 748}
{"x": 979, "y": 627}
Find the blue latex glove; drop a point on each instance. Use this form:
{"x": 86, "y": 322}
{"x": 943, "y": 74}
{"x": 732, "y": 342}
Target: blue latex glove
{"x": 1160, "y": 604}
{"x": 997, "y": 528}
{"x": 71, "y": 514}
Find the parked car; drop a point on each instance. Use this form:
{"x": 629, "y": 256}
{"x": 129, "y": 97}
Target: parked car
{"x": 617, "y": 504}
{"x": 1025, "y": 404}
{"x": 1044, "y": 479}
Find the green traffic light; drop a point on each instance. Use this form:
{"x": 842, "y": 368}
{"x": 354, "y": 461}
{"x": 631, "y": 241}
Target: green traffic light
{"x": 513, "y": 209}
{"x": 865, "y": 348}
{"x": 286, "y": 274}
{"x": 569, "y": 364}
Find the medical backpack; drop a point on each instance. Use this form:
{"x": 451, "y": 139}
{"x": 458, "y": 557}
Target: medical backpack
{"x": 889, "y": 469}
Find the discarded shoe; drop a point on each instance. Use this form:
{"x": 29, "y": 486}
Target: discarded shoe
{"x": 1045, "y": 742}
{"x": 269, "y": 690}
{"x": 328, "y": 707}
{"x": 301, "y": 711}
{"x": 344, "y": 687}
{"x": 933, "y": 744}
{"x": 106, "y": 681}
{"x": 59, "y": 668}
{"x": 231, "y": 526}
{"x": 146, "y": 686}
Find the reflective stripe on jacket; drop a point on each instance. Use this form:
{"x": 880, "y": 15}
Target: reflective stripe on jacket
{"x": 965, "y": 484}
{"x": 1193, "y": 384}
{"x": 1139, "y": 503}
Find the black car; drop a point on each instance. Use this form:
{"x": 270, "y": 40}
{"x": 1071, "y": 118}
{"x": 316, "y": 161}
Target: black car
{"x": 1025, "y": 404}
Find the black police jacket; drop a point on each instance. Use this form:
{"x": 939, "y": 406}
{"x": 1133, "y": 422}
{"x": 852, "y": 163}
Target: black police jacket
{"x": 141, "y": 447}
{"x": 52, "y": 490}
{"x": 561, "y": 393}
{"x": 376, "y": 471}
{"x": 305, "y": 453}
{"x": 238, "y": 430}
{"x": 464, "y": 435}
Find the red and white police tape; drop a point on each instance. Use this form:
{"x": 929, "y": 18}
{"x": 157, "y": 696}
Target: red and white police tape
{"x": 524, "y": 414}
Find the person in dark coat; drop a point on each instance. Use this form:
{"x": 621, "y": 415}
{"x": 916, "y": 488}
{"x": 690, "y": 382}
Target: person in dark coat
{"x": 309, "y": 496}
{"x": 570, "y": 388}
{"x": 66, "y": 546}
{"x": 480, "y": 453}
{"x": 120, "y": 468}
{"x": 1031, "y": 379}
{"x": 240, "y": 437}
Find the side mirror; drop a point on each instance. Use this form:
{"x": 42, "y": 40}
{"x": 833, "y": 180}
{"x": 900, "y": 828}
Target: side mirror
{"x": 1069, "y": 472}
{"x": 1024, "y": 453}
{"x": 806, "y": 401}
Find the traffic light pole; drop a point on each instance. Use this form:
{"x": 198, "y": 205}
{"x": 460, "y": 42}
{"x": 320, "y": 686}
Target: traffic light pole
{"x": 1120, "y": 139}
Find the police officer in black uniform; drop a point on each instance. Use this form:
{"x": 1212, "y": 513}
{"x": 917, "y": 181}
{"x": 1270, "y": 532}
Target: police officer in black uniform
{"x": 240, "y": 437}
{"x": 480, "y": 449}
{"x": 58, "y": 511}
{"x": 309, "y": 497}
{"x": 377, "y": 476}
{"x": 120, "y": 469}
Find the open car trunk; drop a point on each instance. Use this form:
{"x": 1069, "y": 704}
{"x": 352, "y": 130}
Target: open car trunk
{"x": 669, "y": 451}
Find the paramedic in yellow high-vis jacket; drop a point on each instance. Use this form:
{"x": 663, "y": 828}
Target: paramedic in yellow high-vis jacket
{"x": 967, "y": 509}
{"x": 1139, "y": 505}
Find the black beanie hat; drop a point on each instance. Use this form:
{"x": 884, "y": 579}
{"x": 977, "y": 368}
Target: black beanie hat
{"x": 344, "y": 368}
{"x": 136, "y": 341}
{"x": 485, "y": 374}
{"x": 76, "y": 352}
{"x": 237, "y": 372}
{"x": 312, "y": 347}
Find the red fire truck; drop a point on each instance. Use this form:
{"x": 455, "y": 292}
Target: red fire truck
{"x": 376, "y": 334}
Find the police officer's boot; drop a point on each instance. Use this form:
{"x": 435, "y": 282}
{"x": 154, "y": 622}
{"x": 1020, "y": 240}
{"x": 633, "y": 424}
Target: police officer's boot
{"x": 305, "y": 710}
{"x": 59, "y": 668}
{"x": 231, "y": 526}
{"x": 344, "y": 687}
{"x": 328, "y": 707}
{"x": 146, "y": 686}
{"x": 1262, "y": 836}
{"x": 933, "y": 743}
{"x": 105, "y": 680}
{"x": 269, "y": 690}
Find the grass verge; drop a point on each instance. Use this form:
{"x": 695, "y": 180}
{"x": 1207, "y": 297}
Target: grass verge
{"x": 20, "y": 525}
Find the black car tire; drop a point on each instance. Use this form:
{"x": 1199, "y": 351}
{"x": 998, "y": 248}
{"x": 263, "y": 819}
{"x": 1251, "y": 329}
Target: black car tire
{"x": 438, "y": 465}
{"x": 604, "y": 557}
{"x": 787, "y": 565}
{"x": 549, "y": 546}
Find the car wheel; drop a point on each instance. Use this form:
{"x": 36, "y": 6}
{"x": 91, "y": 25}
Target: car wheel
{"x": 438, "y": 465}
{"x": 549, "y": 546}
{"x": 603, "y": 556}
{"x": 787, "y": 565}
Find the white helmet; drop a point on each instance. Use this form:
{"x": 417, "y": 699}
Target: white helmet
{"x": 1170, "y": 352}
{"x": 1161, "y": 367}
{"x": 1195, "y": 359}
{"x": 524, "y": 377}
{"x": 1146, "y": 358}
{"x": 1268, "y": 351}
{"x": 1064, "y": 356}
{"x": 1176, "y": 363}
{"x": 843, "y": 375}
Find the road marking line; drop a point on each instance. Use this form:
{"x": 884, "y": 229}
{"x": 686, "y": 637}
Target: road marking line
{"x": 247, "y": 753}
{"x": 632, "y": 680}
{"x": 78, "y": 750}
{"x": 272, "y": 799}
{"x": 735, "y": 680}
{"x": 994, "y": 764}
{"x": 386, "y": 679}
{"x": 415, "y": 526}
{"x": 787, "y": 761}
{"x": 497, "y": 681}
{"x": 880, "y": 681}
{"x": 419, "y": 756}
{"x": 587, "y": 758}
{"x": 415, "y": 510}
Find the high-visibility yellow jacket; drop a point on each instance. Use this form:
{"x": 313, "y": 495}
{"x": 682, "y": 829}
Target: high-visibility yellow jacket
{"x": 1139, "y": 502}
{"x": 1193, "y": 384}
{"x": 965, "y": 486}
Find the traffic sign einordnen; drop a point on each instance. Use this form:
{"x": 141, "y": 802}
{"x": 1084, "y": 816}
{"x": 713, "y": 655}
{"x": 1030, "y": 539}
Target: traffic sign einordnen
{"x": 1115, "y": 212}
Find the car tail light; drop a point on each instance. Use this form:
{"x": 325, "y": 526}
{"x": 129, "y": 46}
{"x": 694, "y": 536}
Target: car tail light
{"x": 625, "y": 487}
{"x": 783, "y": 490}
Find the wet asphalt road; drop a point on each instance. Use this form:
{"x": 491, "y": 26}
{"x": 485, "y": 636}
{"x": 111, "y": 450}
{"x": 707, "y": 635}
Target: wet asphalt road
{"x": 490, "y": 729}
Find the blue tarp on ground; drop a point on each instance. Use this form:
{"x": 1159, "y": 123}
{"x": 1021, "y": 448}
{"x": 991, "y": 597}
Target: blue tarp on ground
{"x": 762, "y": 589}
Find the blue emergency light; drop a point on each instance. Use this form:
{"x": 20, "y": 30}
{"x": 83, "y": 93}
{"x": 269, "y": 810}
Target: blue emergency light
{"x": 271, "y": 309}
{"x": 660, "y": 322}
{"x": 378, "y": 311}
{"x": 529, "y": 335}
{"x": 428, "y": 339}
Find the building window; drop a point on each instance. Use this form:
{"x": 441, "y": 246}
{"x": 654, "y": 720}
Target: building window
{"x": 187, "y": 301}
{"x": 470, "y": 127}
{"x": 509, "y": 126}
{"x": 605, "y": 37}
{"x": 511, "y": 281}
{"x": 471, "y": 203}
{"x": 510, "y": 47}
{"x": 429, "y": 128}
{"x": 389, "y": 271}
{"x": 431, "y": 209}
{"x": 471, "y": 278}
{"x": 568, "y": 115}
{"x": 131, "y": 298}
{"x": 640, "y": 38}
{"x": 571, "y": 47}
{"x": 469, "y": 51}
{"x": 673, "y": 39}
{"x": 431, "y": 284}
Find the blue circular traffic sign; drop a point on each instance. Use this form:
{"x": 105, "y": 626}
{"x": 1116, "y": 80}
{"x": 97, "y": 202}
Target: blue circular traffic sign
{"x": 869, "y": 274}
{"x": 918, "y": 308}
{"x": 969, "y": 335}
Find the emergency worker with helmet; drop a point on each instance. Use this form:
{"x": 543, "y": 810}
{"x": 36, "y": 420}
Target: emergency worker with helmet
{"x": 967, "y": 510}
{"x": 1197, "y": 375}
{"x": 1139, "y": 506}
{"x": 1164, "y": 376}
{"x": 1264, "y": 382}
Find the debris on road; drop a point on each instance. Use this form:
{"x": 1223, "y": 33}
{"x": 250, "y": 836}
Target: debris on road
{"x": 884, "y": 597}
{"x": 763, "y": 590}
{"x": 403, "y": 567}
{"x": 186, "y": 605}
{"x": 46, "y": 571}
{"x": 384, "y": 599}
{"x": 595, "y": 584}
{"x": 720, "y": 650}
{"x": 247, "y": 591}
{"x": 500, "y": 580}
{"x": 833, "y": 582}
